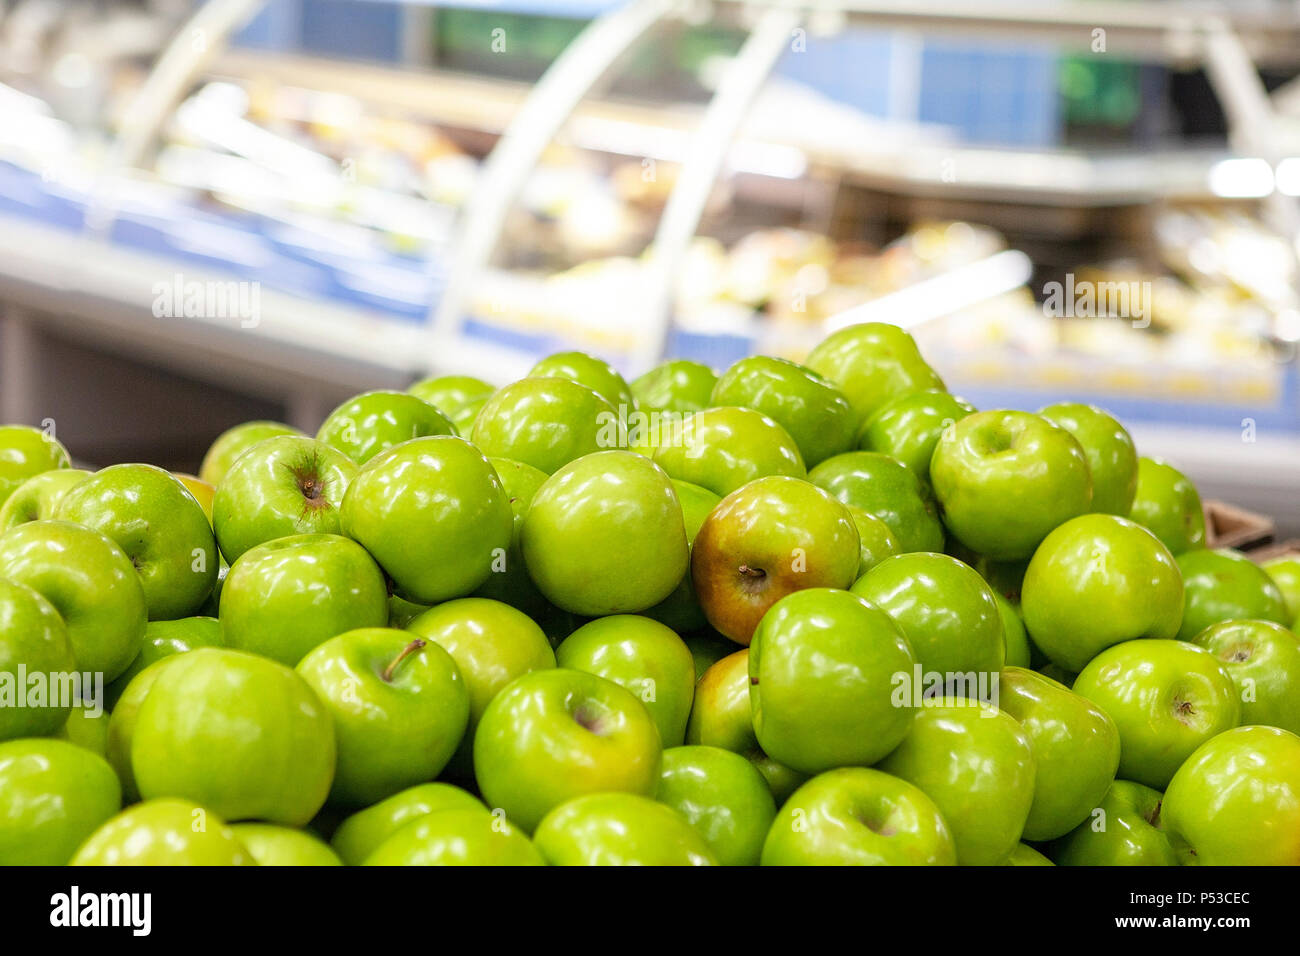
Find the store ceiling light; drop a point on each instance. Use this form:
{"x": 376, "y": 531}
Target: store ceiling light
{"x": 1288, "y": 176}
{"x": 1241, "y": 178}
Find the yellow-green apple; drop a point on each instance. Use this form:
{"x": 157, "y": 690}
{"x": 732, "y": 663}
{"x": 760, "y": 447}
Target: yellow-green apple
{"x": 875, "y": 541}
{"x": 1112, "y": 459}
{"x": 1019, "y": 653}
{"x": 781, "y": 780}
{"x": 89, "y": 581}
{"x": 1124, "y": 829}
{"x": 34, "y": 643}
{"x": 722, "y": 449}
{"x": 372, "y": 422}
{"x": 159, "y": 525}
{"x": 162, "y": 639}
{"x": 605, "y": 535}
{"x": 233, "y": 442}
{"x": 364, "y": 831}
{"x": 620, "y": 829}
{"x": 38, "y": 497}
{"x": 871, "y": 363}
{"x": 546, "y": 423}
{"x": 856, "y": 816}
{"x": 1095, "y": 581}
{"x": 509, "y": 581}
{"x": 1225, "y": 585}
{"x": 884, "y": 487}
{"x": 26, "y": 452}
{"x": 87, "y": 728}
{"x": 723, "y": 796}
{"x": 285, "y": 597}
{"x": 53, "y": 795}
{"x": 595, "y": 373}
{"x": 457, "y": 837}
{"x": 765, "y": 540}
{"x": 1165, "y": 697}
{"x": 202, "y": 491}
{"x": 720, "y": 713}
{"x": 419, "y": 503}
{"x": 908, "y": 427}
{"x": 459, "y": 397}
{"x": 1263, "y": 660}
{"x": 822, "y": 673}
{"x": 1168, "y": 504}
{"x": 1025, "y": 855}
{"x": 681, "y": 609}
{"x": 271, "y": 845}
{"x": 122, "y": 723}
{"x": 1284, "y": 570}
{"x": 679, "y": 385}
{"x": 977, "y": 764}
{"x": 554, "y": 734}
{"x": 166, "y": 832}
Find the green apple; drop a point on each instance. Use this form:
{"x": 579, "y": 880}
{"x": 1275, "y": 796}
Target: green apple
{"x": 270, "y": 845}
{"x": 720, "y": 713}
{"x": 468, "y": 837}
{"x": 767, "y": 539}
{"x": 402, "y": 612}
{"x": 1166, "y": 697}
{"x": 33, "y": 642}
{"x": 1236, "y": 801}
{"x": 122, "y": 723}
{"x": 1005, "y": 479}
{"x": 885, "y": 488}
{"x": 459, "y": 397}
{"x": 364, "y": 831}
{"x": 1284, "y": 570}
{"x": 1169, "y": 506}
{"x": 416, "y": 504}
{"x": 856, "y": 816}
{"x": 822, "y": 674}
{"x": 1024, "y": 855}
{"x": 1095, "y": 581}
{"x": 233, "y": 442}
{"x": 38, "y": 497}
{"x": 595, "y": 373}
{"x": 872, "y": 362}
{"x": 509, "y": 581}
{"x": 722, "y": 449}
{"x": 875, "y": 541}
{"x": 203, "y": 492}
{"x": 1112, "y": 459}
{"x": 24, "y": 453}
{"x": 159, "y": 525}
{"x": 243, "y": 735}
{"x": 289, "y": 485}
{"x": 546, "y": 423}
{"x": 285, "y": 597}
{"x": 908, "y": 427}
{"x": 707, "y": 647}
{"x": 1013, "y": 633}
{"x": 167, "y": 832}
{"x": 723, "y": 796}
{"x": 620, "y": 829}
{"x": 642, "y": 655}
{"x": 781, "y": 780}
{"x": 86, "y": 727}
{"x": 681, "y": 609}
{"x": 162, "y": 639}
{"x": 945, "y": 610}
{"x": 1075, "y": 746}
{"x": 554, "y": 734}
{"x": 679, "y": 386}
{"x": 977, "y": 765}
{"x": 400, "y": 708}
{"x": 605, "y": 535}
{"x": 1123, "y": 830}
{"x": 372, "y": 422}
{"x": 53, "y": 795}
{"x": 1225, "y": 585}
{"x": 1263, "y": 660}
{"x": 89, "y": 581}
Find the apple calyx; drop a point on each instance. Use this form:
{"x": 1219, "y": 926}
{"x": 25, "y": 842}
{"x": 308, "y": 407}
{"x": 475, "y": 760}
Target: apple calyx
{"x": 752, "y": 580}
{"x": 312, "y": 483}
{"x": 407, "y": 651}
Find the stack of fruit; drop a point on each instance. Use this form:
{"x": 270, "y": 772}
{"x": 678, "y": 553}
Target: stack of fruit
{"x": 796, "y": 614}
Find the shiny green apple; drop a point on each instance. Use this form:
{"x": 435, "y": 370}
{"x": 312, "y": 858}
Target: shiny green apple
{"x": 872, "y": 362}
{"x": 908, "y": 427}
{"x": 53, "y": 795}
{"x": 462, "y": 837}
{"x": 38, "y": 497}
{"x": 509, "y": 581}
{"x": 162, "y": 639}
{"x": 679, "y": 385}
{"x": 723, "y": 796}
{"x": 1124, "y": 829}
{"x": 372, "y": 422}
{"x": 459, "y": 397}
{"x": 1112, "y": 459}
{"x": 781, "y": 780}
{"x": 875, "y": 541}
{"x": 24, "y": 453}
{"x": 166, "y": 832}
{"x": 1263, "y": 660}
{"x": 1225, "y": 585}
{"x": 546, "y": 423}
{"x": 233, "y": 442}
{"x": 620, "y": 829}
{"x": 722, "y": 449}
{"x": 595, "y": 373}
{"x": 364, "y": 831}
{"x": 1016, "y": 640}
{"x": 271, "y": 845}
{"x": 884, "y": 487}
{"x": 1285, "y": 572}
{"x": 122, "y": 723}
{"x": 1169, "y": 505}
{"x": 34, "y": 643}
{"x": 720, "y": 713}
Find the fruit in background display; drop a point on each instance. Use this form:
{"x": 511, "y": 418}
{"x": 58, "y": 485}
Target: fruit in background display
{"x": 908, "y": 427}
{"x": 679, "y": 385}
{"x": 595, "y": 373}
{"x": 681, "y": 609}
{"x": 1226, "y": 585}
{"x": 1024, "y": 855}
{"x": 643, "y": 656}
{"x": 372, "y": 422}
{"x": 872, "y": 363}
{"x": 765, "y": 540}
{"x": 459, "y": 397}
{"x": 168, "y": 832}
{"x": 1112, "y": 459}
{"x": 53, "y": 795}
{"x": 290, "y": 595}
{"x": 945, "y": 610}
{"x": 399, "y": 706}
{"x": 364, "y": 831}
{"x": 723, "y": 796}
{"x": 546, "y": 423}
{"x": 977, "y": 765}
{"x": 240, "y": 734}
{"x": 416, "y": 504}
{"x": 822, "y": 669}
{"x": 233, "y": 442}
{"x": 512, "y": 584}
{"x": 1165, "y": 697}
{"x": 1169, "y": 506}
{"x": 1005, "y": 479}
{"x": 290, "y": 485}
{"x": 159, "y": 525}
{"x": 162, "y": 639}
{"x": 1123, "y": 830}
{"x": 855, "y": 816}
{"x": 555, "y": 734}
{"x": 1263, "y": 660}
{"x": 620, "y": 829}
{"x": 722, "y": 449}
{"x": 471, "y": 837}
{"x": 1095, "y": 581}
{"x": 1237, "y": 800}
{"x": 605, "y": 535}
{"x": 1285, "y": 572}
{"x": 1019, "y": 653}
{"x": 1075, "y": 746}
{"x": 37, "y": 498}
{"x": 875, "y": 541}
{"x": 24, "y": 453}
{"x": 91, "y": 584}
{"x": 270, "y": 845}
{"x": 720, "y": 713}
{"x": 885, "y": 488}
{"x": 33, "y": 641}
{"x": 812, "y": 410}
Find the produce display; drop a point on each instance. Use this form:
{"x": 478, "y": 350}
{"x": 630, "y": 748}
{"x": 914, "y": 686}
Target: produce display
{"x": 789, "y": 614}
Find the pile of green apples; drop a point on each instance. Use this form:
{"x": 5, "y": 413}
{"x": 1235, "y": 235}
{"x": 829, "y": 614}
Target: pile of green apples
{"x": 825, "y": 613}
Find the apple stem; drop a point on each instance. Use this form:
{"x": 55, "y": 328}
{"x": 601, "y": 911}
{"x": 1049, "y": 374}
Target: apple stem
{"x": 407, "y": 651}
{"x": 749, "y": 572}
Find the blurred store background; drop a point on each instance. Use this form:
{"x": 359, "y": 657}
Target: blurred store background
{"x": 232, "y": 209}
